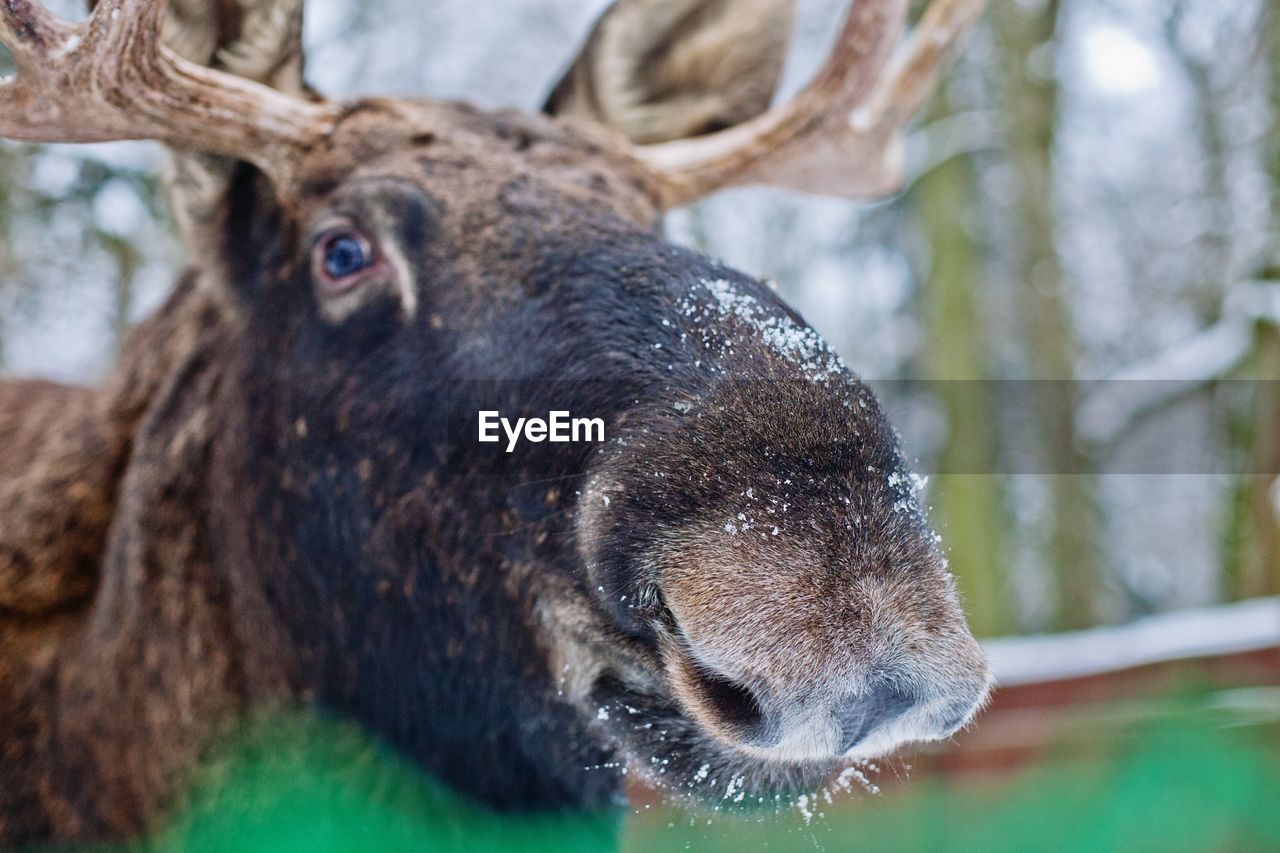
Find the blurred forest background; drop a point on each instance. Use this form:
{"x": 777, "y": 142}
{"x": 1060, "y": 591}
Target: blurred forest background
{"x": 1073, "y": 308}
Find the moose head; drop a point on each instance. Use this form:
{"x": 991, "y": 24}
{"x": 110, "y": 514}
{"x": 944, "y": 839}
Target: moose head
{"x": 292, "y": 503}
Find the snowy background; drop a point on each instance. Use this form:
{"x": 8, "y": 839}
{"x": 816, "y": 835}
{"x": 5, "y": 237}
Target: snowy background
{"x": 1071, "y": 309}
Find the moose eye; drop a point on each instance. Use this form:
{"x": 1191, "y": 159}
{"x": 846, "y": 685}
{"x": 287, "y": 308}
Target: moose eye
{"x": 341, "y": 256}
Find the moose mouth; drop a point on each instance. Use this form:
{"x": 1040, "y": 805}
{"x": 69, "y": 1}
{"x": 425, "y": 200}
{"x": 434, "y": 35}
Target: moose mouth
{"x": 713, "y": 753}
{"x": 667, "y": 749}
{"x": 706, "y": 738}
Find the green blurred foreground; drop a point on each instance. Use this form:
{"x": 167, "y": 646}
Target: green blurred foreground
{"x": 1188, "y": 774}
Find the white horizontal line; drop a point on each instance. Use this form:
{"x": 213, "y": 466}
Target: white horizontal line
{"x": 1196, "y": 633}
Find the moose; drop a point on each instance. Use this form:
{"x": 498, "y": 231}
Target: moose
{"x": 278, "y": 499}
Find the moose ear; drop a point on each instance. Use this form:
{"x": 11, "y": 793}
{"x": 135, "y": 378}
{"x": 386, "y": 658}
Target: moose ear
{"x": 660, "y": 70}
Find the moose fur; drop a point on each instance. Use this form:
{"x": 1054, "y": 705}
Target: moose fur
{"x": 278, "y": 499}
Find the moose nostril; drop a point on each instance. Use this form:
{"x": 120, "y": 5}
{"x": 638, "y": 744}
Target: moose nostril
{"x": 733, "y": 704}
{"x": 867, "y": 712}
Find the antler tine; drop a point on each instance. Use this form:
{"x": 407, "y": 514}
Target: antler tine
{"x": 842, "y": 135}
{"x": 31, "y": 32}
{"x": 110, "y": 78}
{"x": 915, "y": 75}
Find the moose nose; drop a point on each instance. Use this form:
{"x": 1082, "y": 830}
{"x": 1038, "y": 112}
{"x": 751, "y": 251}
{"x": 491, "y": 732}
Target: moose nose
{"x": 861, "y": 715}
{"x": 777, "y": 722}
{"x": 734, "y": 707}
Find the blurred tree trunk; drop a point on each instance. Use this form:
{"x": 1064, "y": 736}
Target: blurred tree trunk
{"x": 1269, "y": 34}
{"x": 1026, "y": 37}
{"x": 965, "y": 492}
{"x": 1259, "y": 569}
{"x": 127, "y": 258}
{"x": 1217, "y": 244}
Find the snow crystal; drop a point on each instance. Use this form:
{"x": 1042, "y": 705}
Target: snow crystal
{"x": 854, "y": 773}
{"x": 802, "y": 803}
{"x": 783, "y": 335}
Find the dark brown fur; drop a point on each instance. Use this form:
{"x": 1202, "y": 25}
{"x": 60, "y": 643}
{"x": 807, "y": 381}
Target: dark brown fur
{"x": 278, "y": 498}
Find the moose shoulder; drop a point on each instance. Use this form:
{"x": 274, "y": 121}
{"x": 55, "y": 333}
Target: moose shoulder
{"x": 278, "y": 497}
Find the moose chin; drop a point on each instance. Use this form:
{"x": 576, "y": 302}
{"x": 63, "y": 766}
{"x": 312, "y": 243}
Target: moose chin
{"x": 277, "y": 497}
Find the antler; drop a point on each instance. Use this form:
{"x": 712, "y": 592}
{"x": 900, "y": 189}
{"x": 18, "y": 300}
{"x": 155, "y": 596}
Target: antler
{"x": 110, "y": 78}
{"x": 843, "y": 134}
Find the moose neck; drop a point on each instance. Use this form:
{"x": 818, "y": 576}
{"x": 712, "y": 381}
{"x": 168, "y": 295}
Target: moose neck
{"x": 122, "y": 690}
